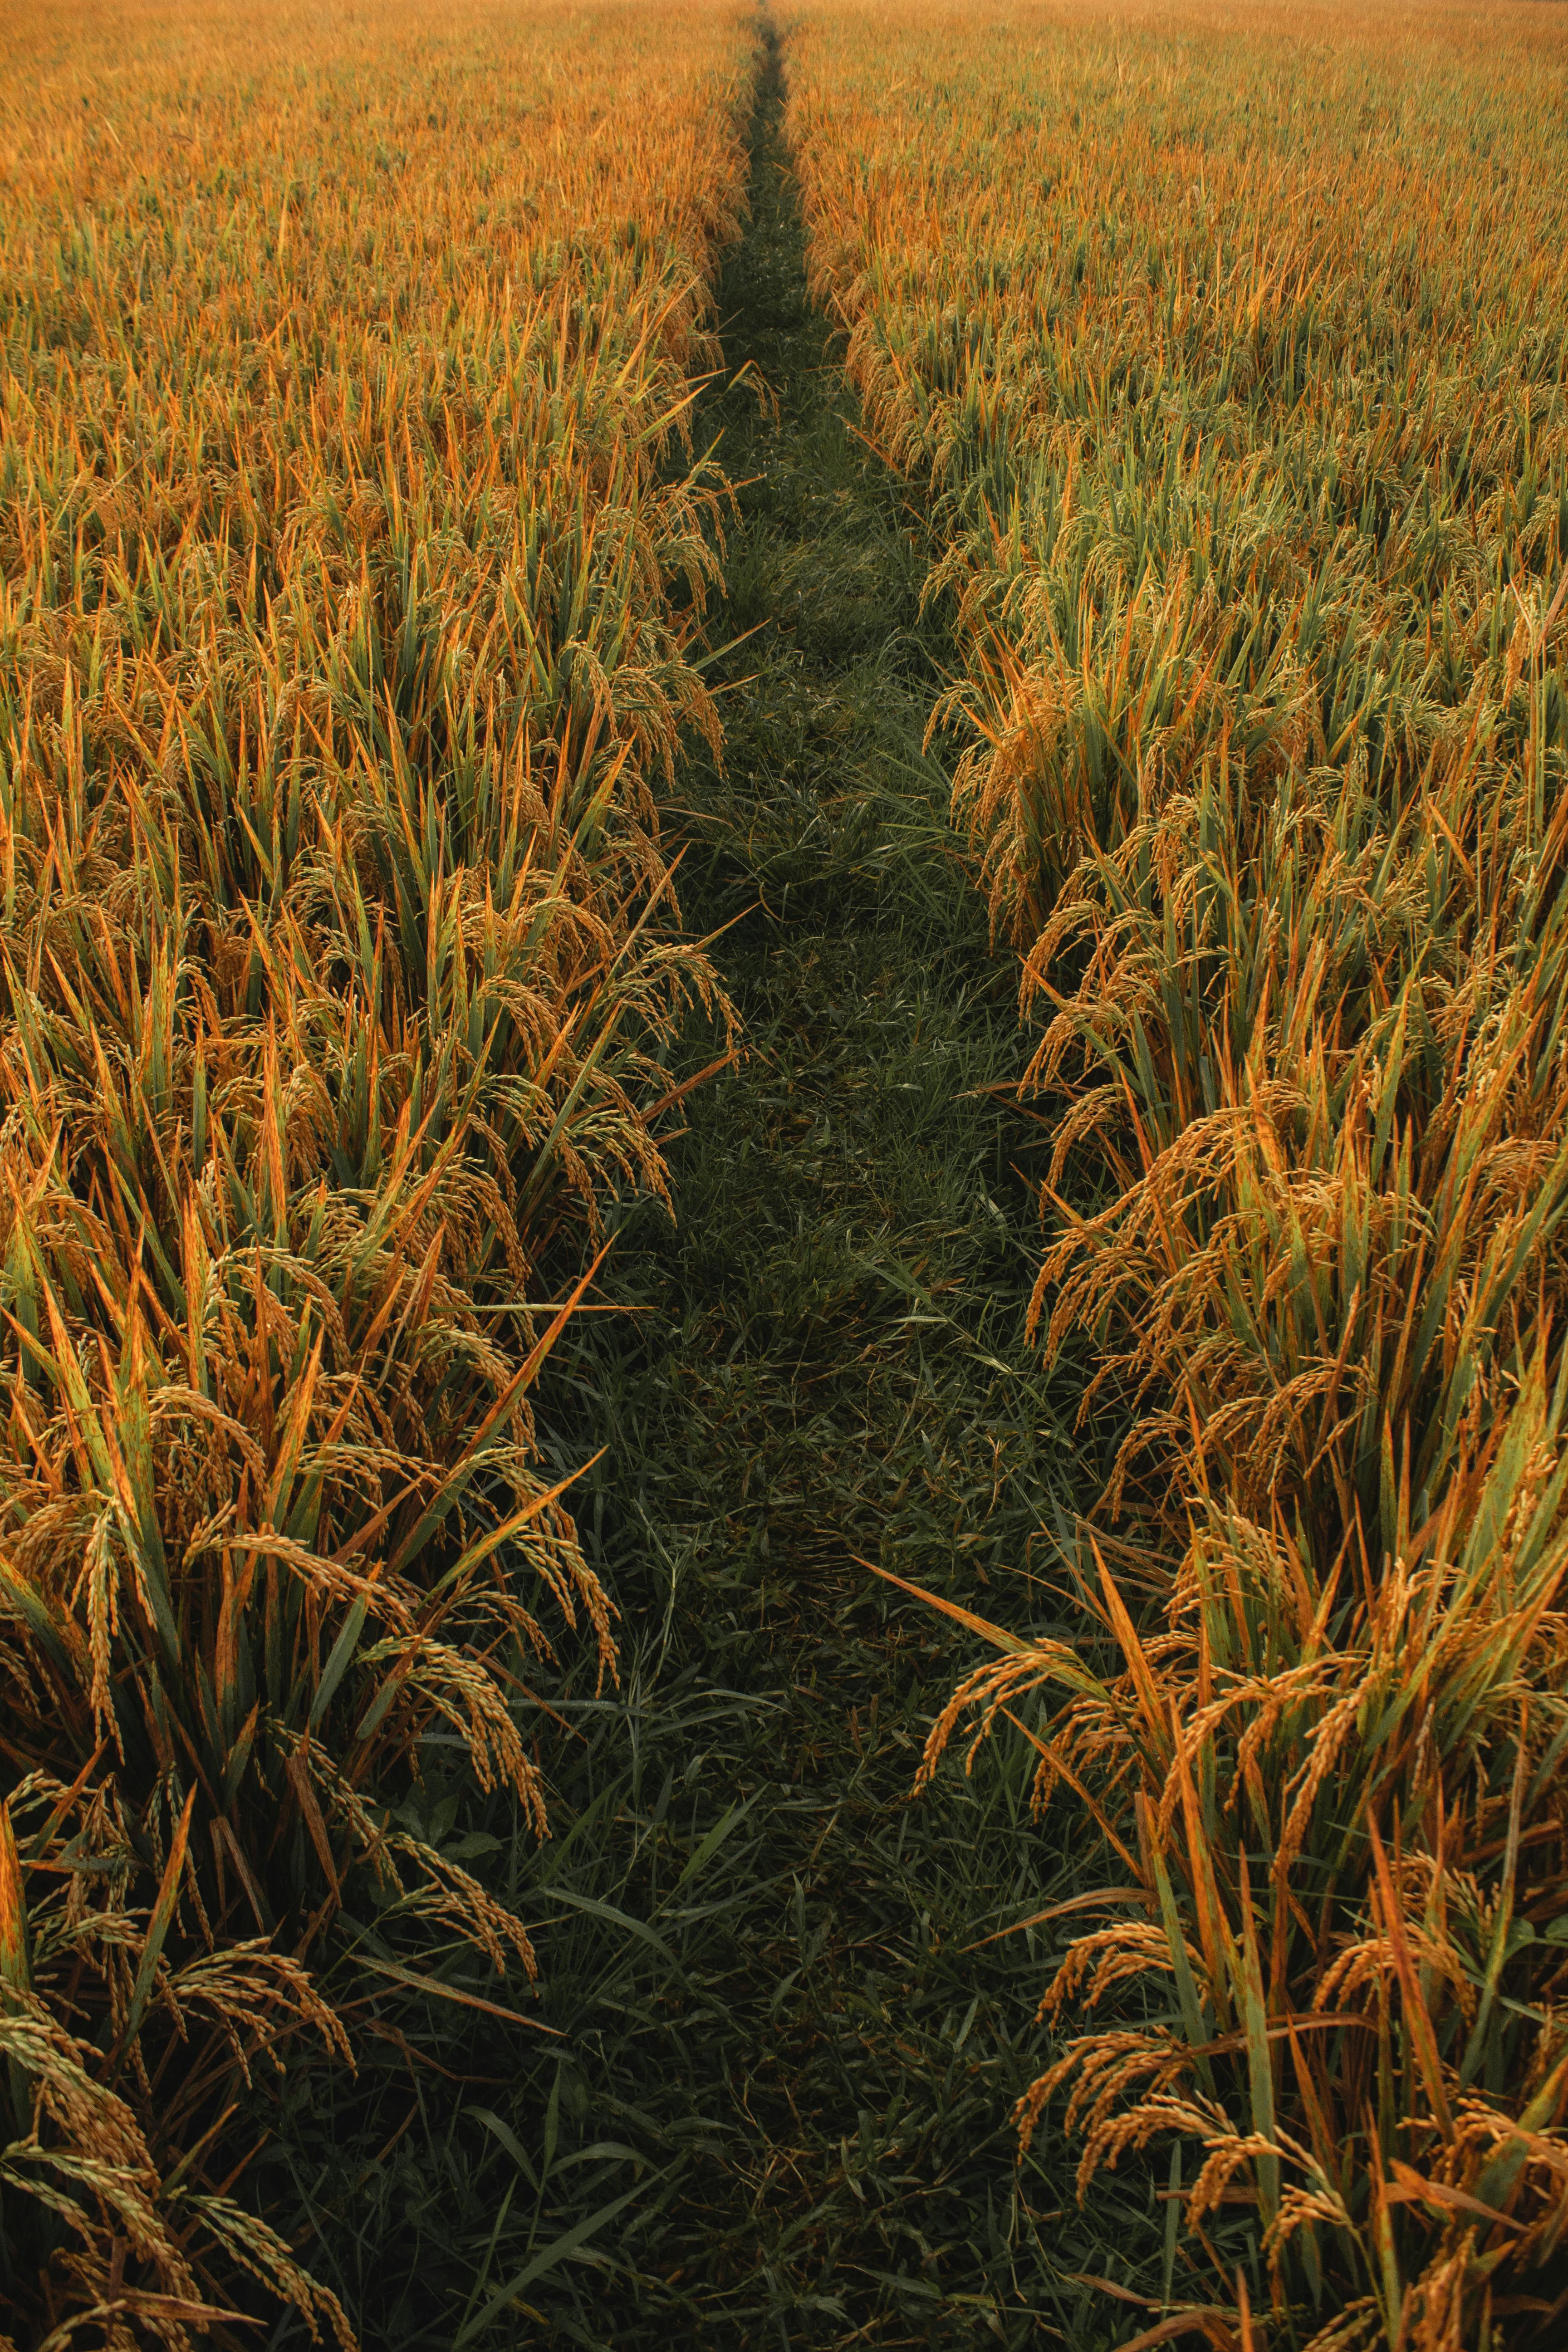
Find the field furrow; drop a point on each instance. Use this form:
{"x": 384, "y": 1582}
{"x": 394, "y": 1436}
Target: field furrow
{"x": 783, "y": 1162}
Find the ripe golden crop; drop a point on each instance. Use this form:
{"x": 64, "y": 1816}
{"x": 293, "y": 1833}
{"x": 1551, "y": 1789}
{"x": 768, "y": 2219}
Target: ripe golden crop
{"x": 1231, "y": 341}
{"x": 345, "y": 369}
{"x": 351, "y": 545}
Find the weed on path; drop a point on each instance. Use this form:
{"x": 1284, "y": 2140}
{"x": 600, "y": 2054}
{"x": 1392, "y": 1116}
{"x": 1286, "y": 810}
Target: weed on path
{"x": 782, "y": 2113}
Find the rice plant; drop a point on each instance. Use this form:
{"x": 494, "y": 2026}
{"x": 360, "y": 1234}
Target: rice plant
{"x": 1233, "y": 353}
{"x": 352, "y": 544}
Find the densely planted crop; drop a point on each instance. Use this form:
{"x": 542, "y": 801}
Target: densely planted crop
{"x": 345, "y": 373}
{"x": 352, "y": 543}
{"x": 1235, "y": 353}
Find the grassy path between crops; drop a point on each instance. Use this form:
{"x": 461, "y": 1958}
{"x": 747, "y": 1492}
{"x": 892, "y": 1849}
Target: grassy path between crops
{"x": 781, "y": 2115}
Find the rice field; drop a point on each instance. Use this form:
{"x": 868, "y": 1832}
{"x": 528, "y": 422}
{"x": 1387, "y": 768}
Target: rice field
{"x": 1232, "y": 357}
{"x": 366, "y": 540}
{"x": 354, "y": 543}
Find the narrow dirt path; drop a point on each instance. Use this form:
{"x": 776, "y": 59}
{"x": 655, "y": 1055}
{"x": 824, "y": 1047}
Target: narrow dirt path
{"x": 778, "y": 2114}
{"x": 829, "y": 1363}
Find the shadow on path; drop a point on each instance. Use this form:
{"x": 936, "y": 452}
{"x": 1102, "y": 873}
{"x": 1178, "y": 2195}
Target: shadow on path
{"x": 830, "y": 1362}
{"x": 779, "y": 2115}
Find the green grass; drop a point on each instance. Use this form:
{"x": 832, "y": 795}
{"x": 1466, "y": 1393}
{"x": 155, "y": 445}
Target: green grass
{"x": 781, "y": 2113}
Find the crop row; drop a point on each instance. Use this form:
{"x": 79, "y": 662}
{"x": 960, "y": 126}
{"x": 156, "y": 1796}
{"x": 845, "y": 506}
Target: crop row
{"x": 1232, "y": 352}
{"x": 349, "y": 565}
